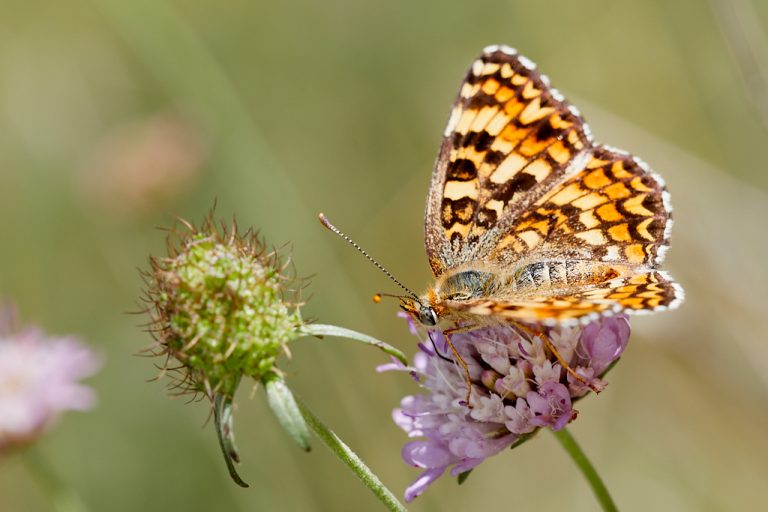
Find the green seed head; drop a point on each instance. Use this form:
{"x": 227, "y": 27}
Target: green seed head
{"x": 218, "y": 306}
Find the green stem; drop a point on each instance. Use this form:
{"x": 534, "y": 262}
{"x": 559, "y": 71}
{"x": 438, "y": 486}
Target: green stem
{"x": 350, "y": 458}
{"x": 62, "y": 497}
{"x": 587, "y": 469}
{"x": 341, "y": 332}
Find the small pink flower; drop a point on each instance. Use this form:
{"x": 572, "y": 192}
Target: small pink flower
{"x": 39, "y": 380}
{"x": 602, "y": 342}
{"x": 551, "y": 406}
{"x": 519, "y": 418}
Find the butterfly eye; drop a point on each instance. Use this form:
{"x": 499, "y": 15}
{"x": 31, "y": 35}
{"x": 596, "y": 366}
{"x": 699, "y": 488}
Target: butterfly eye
{"x": 427, "y": 316}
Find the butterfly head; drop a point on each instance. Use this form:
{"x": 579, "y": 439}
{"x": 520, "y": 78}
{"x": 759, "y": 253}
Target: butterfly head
{"x": 422, "y": 309}
{"x": 425, "y": 314}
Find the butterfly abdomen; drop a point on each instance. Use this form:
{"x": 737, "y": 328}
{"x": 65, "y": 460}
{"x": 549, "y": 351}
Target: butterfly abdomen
{"x": 560, "y": 275}
{"x": 529, "y": 279}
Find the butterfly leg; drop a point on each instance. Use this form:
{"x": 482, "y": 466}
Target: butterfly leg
{"x": 551, "y": 347}
{"x": 468, "y": 379}
{"x": 434, "y": 347}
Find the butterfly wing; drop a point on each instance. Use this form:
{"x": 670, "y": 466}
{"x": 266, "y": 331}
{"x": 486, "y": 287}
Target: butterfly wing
{"x": 613, "y": 210}
{"x": 510, "y": 138}
{"x": 644, "y": 292}
{"x": 518, "y": 180}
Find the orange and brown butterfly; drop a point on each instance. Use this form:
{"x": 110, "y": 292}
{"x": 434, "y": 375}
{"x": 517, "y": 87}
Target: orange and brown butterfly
{"x": 530, "y": 221}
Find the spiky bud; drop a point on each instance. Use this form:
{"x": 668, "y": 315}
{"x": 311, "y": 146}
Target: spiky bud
{"x": 219, "y": 305}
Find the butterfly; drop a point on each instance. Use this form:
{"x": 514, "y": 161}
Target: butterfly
{"x": 528, "y": 220}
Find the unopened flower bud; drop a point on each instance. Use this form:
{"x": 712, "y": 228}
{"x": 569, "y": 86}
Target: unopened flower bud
{"x": 489, "y": 378}
{"x": 218, "y": 306}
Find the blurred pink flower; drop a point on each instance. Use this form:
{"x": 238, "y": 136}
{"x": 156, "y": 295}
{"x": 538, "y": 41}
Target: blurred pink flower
{"x": 517, "y": 387}
{"x": 39, "y": 378}
{"x": 142, "y": 165}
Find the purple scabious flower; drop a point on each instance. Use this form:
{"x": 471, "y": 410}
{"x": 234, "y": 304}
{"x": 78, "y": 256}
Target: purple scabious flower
{"x": 39, "y": 377}
{"x": 517, "y": 386}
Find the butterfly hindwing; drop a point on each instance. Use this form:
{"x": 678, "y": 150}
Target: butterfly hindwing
{"x": 613, "y": 210}
{"x": 638, "y": 293}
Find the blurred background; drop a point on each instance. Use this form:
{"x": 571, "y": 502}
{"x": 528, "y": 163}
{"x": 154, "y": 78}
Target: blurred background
{"x": 118, "y": 115}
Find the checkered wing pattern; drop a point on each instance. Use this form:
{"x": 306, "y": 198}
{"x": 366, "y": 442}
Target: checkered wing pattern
{"x": 519, "y": 181}
{"x": 612, "y": 210}
{"x": 643, "y": 292}
{"x": 509, "y": 139}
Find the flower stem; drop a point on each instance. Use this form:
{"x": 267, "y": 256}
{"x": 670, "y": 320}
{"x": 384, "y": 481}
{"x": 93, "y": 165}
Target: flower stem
{"x": 340, "y": 332}
{"x": 587, "y": 469}
{"x": 63, "y": 498}
{"x": 350, "y": 458}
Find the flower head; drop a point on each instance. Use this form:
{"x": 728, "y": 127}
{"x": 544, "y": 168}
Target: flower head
{"x": 39, "y": 379}
{"x": 218, "y": 306}
{"x": 517, "y": 386}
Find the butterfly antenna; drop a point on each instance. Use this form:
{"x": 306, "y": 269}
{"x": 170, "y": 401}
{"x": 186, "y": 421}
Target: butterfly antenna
{"x": 325, "y": 222}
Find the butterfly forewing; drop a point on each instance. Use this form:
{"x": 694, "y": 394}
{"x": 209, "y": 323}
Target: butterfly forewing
{"x": 519, "y": 182}
{"x": 509, "y": 139}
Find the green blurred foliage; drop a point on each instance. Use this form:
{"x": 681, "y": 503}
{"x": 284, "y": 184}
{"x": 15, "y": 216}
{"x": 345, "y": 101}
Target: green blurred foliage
{"x": 338, "y": 106}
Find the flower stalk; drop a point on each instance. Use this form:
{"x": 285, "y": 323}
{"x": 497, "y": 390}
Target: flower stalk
{"x": 573, "y": 449}
{"x": 321, "y": 330}
{"x": 351, "y": 460}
